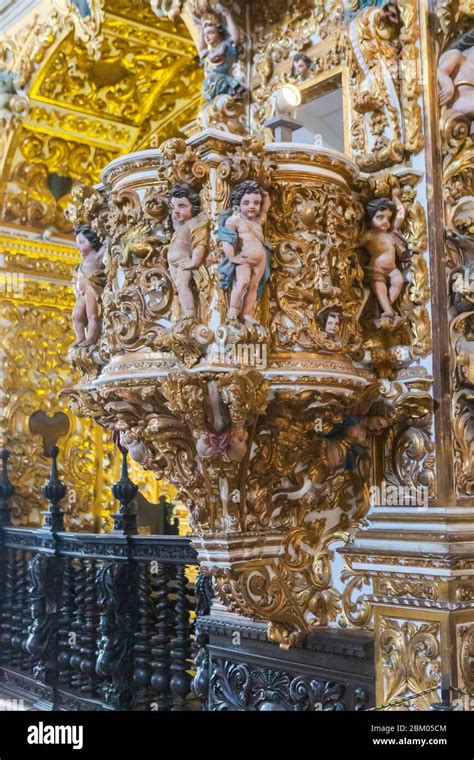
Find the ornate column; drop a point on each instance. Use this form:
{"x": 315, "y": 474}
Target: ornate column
{"x": 419, "y": 553}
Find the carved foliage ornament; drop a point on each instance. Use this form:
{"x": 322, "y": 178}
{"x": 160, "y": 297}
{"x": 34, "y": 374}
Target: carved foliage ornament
{"x": 456, "y": 31}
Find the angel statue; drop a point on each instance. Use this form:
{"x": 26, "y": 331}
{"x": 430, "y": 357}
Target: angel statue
{"x": 219, "y": 49}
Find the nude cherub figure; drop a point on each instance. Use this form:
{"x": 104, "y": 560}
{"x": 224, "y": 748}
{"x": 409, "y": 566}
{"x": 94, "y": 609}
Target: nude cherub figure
{"x": 188, "y": 245}
{"x": 456, "y": 75}
{"x": 222, "y": 435}
{"x": 246, "y": 266}
{"x": 88, "y": 282}
{"x": 384, "y": 242}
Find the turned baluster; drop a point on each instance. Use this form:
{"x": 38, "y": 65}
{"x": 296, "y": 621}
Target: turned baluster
{"x": 6, "y": 490}
{"x": 27, "y": 663}
{"x": 161, "y": 678}
{"x": 8, "y": 602}
{"x": 89, "y": 634}
{"x": 78, "y": 622}
{"x": 142, "y": 647}
{"x": 66, "y": 613}
{"x": 118, "y": 588}
{"x": 7, "y": 572}
{"x": 181, "y": 644}
{"x": 21, "y": 617}
{"x": 203, "y": 592}
{"x": 42, "y": 641}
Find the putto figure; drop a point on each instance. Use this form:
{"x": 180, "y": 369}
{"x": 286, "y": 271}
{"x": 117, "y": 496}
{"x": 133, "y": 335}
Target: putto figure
{"x": 384, "y": 242}
{"x": 188, "y": 245}
{"x": 302, "y": 67}
{"x": 88, "y": 282}
{"x": 456, "y": 76}
{"x": 219, "y": 50}
{"x": 332, "y": 325}
{"x": 246, "y": 266}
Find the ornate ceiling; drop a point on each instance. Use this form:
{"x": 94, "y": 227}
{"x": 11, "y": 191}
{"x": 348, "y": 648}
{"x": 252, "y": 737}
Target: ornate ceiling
{"x": 86, "y": 91}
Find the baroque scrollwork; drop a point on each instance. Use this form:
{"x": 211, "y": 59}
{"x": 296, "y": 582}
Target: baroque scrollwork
{"x": 238, "y": 686}
{"x": 86, "y": 25}
{"x": 456, "y": 97}
{"x": 307, "y": 270}
{"x": 465, "y": 655}
{"x": 41, "y": 180}
{"x": 410, "y": 654}
{"x": 377, "y": 127}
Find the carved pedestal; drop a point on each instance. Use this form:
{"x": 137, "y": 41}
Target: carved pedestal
{"x": 240, "y": 670}
{"x": 421, "y": 565}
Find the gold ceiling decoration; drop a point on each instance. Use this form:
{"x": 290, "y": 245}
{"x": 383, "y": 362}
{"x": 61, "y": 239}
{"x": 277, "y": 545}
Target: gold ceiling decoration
{"x": 136, "y": 70}
{"x": 44, "y": 167}
{"x": 105, "y": 85}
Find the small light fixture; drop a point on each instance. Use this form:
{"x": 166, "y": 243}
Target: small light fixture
{"x": 282, "y": 122}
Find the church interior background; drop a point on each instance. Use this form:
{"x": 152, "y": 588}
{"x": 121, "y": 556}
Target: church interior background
{"x": 236, "y": 288}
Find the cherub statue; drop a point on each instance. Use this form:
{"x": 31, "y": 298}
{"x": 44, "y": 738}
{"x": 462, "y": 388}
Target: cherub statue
{"x": 218, "y": 53}
{"x": 222, "y": 436}
{"x": 302, "y": 67}
{"x": 348, "y": 440}
{"x": 188, "y": 245}
{"x": 246, "y": 266}
{"x": 332, "y": 325}
{"x": 456, "y": 76}
{"x": 232, "y": 443}
{"x": 384, "y": 242}
{"x": 88, "y": 282}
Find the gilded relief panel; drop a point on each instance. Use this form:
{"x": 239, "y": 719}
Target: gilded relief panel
{"x": 455, "y": 27}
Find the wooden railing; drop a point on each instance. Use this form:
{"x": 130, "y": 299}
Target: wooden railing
{"x": 97, "y": 621}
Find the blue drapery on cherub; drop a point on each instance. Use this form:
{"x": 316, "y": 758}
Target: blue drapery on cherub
{"x": 219, "y": 80}
{"x": 352, "y": 8}
{"x": 226, "y": 267}
{"x": 353, "y": 450}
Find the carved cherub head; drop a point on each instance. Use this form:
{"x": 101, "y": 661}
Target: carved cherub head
{"x": 185, "y": 203}
{"x": 87, "y": 240}
{"x": 301, "y": 68}
{"x": 247, "y": 197}
{"x": 380, "y": 213}
{"x": 332, "y": 324}
{"x": 213, "y": 32}
{"x": 392, "y": 13}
